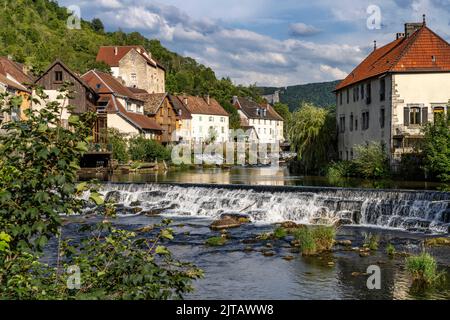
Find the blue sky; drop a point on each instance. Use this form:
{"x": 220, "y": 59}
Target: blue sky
{"x": 269, "y": 42}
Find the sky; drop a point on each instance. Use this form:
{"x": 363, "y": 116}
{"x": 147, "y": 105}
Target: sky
{"x": 270, "y": 42}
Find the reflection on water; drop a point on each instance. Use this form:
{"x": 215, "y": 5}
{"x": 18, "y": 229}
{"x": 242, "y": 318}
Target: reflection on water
{"x": 275, "y": 176}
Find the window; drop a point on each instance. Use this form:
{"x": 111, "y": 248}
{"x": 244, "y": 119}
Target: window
{"x": 438, "y": 112}
{"x": 357, "y": 93}
{"x": 342, "y": 124}
{"x": 222, "y": 119}
{"x": 348, "y": 96}
{"x": 351, "y": 122}
{"x": 58, "y": 76}
{"x": 369, "y": 93}
{"x": 382, "y": 89}
{"x": 340, "y": 98}
{"x": 133, "y": 77}
{"x": 200, "y": 118}
{"x": 414, "y": 116}
{"x": 365, "y": 119}
{"x": 356, "y": 124}
{"x": 211, "y": 119}
{"x": 362, "y": 91}
{"x": 382, "y": 117}
{"x": 223, "y": 129}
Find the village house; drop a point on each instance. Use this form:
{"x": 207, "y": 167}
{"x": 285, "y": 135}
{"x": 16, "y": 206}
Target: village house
{"x": 396, "y": 90}
{"x": 183, "y": 132}
{"x": 15, "y": 80}
{"x": 261, "y": 122}
{"x": 135, "y": 66}
{"x": 82, "y": 97}
{"x": 125, "y": 110}
{"x": 157, "y": 106}
{"x": 204, "y": 120}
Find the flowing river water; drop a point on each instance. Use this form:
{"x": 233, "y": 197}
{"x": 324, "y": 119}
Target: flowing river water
{"x": 241, "y": 270}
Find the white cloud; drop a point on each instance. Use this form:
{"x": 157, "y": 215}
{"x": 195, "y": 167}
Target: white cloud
{"x": 301, "y": 29}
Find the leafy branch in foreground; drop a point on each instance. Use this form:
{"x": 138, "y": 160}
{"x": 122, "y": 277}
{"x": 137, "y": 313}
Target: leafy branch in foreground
{"x": 38, "y": 182}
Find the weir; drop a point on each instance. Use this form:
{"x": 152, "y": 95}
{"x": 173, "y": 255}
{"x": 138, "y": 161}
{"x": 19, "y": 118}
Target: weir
{"x": 416, "y": 211}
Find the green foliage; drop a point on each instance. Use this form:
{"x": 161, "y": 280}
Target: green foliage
{"x": 312, "y": 133}
{"x": 280, "y": 233}
{"x": 119, "y": 145}
{"x": 216, "y": 241}
{"x": 316, "y": 239}
{"x": 142, "y": 149}
{"x": 39, "y": 163}
{"x": 436, "y": 149}
{"x": 390, "y": 250}
{"x": 320, "y": 94}
{"x": 97, "y": 25}
{"x": 423, "y": 269}
{"x": 371, "y": 241}
{"x": 372, "y": 161}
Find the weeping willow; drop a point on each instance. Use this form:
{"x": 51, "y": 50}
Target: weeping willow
{"x": 312, "y": 132}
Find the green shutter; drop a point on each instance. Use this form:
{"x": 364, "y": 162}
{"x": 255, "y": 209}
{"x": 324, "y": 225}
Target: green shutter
{"x": 406, "y": 116}
{"x": 424, "y": 115}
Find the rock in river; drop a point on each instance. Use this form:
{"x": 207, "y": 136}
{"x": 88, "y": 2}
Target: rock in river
{"x": 228, "y": 221}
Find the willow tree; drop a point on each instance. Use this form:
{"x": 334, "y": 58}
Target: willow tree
{"x": 312, "y": 133}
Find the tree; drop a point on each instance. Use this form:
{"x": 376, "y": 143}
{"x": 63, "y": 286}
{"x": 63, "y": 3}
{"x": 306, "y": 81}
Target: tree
{"x": 313, "y": 136}
{"x": 436, "y": 148}
{"x": 119, "y": 145}
{"x": 283, "y": 110}
{"x": 143, "y": 149}
{"x": 97, "y": 25}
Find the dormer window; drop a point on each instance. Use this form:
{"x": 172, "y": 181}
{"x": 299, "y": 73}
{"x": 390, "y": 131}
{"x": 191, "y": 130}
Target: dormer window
{"x": 98, "y": 86}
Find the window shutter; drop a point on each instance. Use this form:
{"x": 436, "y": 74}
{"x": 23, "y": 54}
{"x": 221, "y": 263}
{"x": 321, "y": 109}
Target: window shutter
{"x": 424, "y": 115}
{"x": 406, "y": 116}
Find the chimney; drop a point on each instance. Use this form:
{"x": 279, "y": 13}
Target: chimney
{"x": 116, "y": 51}
{"x": 235, "y": 100}
{"x": 410, "y": 28}
{"x": 208, "y": 100}
{"x": 185, "y": 100}
{"x": 374, "y": 45}
{"x": 400, "y": 35}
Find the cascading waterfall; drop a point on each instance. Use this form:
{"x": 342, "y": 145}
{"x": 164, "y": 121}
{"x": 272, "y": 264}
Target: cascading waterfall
{"x": 420, "y": 211}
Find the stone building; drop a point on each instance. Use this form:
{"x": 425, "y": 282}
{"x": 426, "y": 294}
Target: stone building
{"x": 397, "y": 89}
{"x": 135, "y": 66}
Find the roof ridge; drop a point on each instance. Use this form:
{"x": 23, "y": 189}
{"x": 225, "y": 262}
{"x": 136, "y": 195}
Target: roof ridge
{"x": 413, "y": 39}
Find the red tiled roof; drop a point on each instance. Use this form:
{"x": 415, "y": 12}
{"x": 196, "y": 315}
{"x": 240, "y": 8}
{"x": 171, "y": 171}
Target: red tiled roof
{"x": 179, "y": 106}
{"x": 138, "y": 120}
{"x": 406, "y": 54}
{"x": 198, "y": 105}
{"x": 108, "y": 55}
{"x": 12, "y": 84}
{"x": 104, "y": 83}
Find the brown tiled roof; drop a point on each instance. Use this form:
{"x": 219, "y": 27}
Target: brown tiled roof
{"x": 406, "y": 54}
{"x": 138, "y": 120}
{"x": 182, "y": 112}
{"x": 249, "y": 108}
{"x": 104, "y": 83}
{"x": 153, "y": 101}
{"x": 15, "y": 70}
{"x": 199, "y": 105}
{"x": 108, "y": 55}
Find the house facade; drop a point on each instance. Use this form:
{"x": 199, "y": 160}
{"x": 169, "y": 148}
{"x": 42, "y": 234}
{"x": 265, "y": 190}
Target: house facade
{"x": 83, "y": 97}
{"x": 204, "y": 120}
{"x": 135, "y": 66}
{"x": 124, "y": 110}
{"x": 393, "y": 93}
{"x": 14, "y": 79}
{"x": 158, "y": 106}
{"x": 184, "y": 130}
{"x": 263, "y": 123}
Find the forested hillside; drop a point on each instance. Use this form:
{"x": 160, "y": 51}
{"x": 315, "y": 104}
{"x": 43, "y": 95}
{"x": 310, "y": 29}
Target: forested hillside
{"x": 319, "y": 94}
{"x": 35, "y": 32}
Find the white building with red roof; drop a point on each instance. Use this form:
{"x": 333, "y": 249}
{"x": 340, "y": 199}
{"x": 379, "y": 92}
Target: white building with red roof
{"x": 394, "y": 92}
{"x": 135, "y": 66}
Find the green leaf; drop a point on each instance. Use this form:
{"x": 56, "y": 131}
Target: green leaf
{"x": 161, "y": 250}
{"x": 5, "y": 237}
{"x": 82, "y": 187}
{"x": 167, "y": 234}
{"x": 97, "y": 198}
{"x": 82, "y": 146}
{"x": 73, "y": 119}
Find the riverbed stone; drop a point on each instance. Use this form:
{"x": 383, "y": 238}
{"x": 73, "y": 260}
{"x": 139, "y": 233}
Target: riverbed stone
{"x": 363, "y": 254}
{"x": 343, "y": 222}
{"x": 268, "y": 253}
{"x": 288, "y": 258}
{"x": 345, "y": 243}
{"x": 229, "y": 221}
